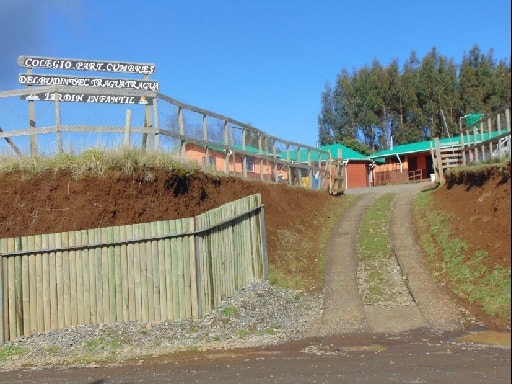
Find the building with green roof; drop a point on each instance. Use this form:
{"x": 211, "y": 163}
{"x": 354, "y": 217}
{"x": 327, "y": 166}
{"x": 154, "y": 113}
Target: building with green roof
{"x": 415, "y": 161}
{"x": 355, "y": 167}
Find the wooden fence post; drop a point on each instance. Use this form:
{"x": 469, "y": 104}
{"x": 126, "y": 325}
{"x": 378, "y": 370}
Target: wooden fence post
{"x": 489, "y": 128}
{"x": 439, "y": 161}
{"x": 498, "y": 127}
{"x": 462, "y": 147}
{"x": 148, "y": 122}
{"x": 57, "y": 122}
{"x": 2, "y": 337}
{"x": 475, "y": 149}
{"x": 156, "y": 124}
{"x": 226, "y": 143}
{"x": 181, "y": 127}
{"x": 482, "y": 138}
{"x": 32, "y": 122}
{"x": 244, "y": 156}
{"x": 127, "y": 126}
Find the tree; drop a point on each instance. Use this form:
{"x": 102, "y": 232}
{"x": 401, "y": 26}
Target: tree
{"x": 500, "y": 86}
{"x": 476, "y": 81}
{"x": 343, "y": 101}
{"x": 414, "y": 121}
{"x": 367, "y": 104}
{"x": 327, "y": 118}
{"x": 424, "y": 99}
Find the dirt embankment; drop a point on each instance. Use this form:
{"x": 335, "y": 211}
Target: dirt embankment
{"x": 57, "y": 202}
{"x": 479, "y": 201}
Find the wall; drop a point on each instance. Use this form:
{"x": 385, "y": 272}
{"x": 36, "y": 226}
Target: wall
{"x": 264, "y": 168}
{"x": 357, "y": 175}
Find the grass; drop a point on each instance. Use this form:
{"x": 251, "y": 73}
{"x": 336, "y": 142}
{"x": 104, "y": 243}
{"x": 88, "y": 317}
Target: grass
{"x": 97, "y": 162}
{"x": 10, "y": 351}
{"x": 374, "y": 250}
{"x": 52, "y": 349}
{"x": 463, "y": 272}
{"x": 230, "y": 311}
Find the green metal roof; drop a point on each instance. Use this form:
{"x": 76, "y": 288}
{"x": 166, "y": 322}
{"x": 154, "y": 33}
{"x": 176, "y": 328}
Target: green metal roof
{"x": 334, "y": 149}
{"x": 248, "y": 149}
{"x": 424, "y": 146}
{"x": 301, "y": 155}
{"x": 346, "y": 152}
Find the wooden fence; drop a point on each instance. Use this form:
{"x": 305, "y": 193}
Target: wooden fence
{"x": 168, "y": 125}
{"x": 164, "y": 270}
{"x": 390, "y": 177}
{"x": 486, "y": 139}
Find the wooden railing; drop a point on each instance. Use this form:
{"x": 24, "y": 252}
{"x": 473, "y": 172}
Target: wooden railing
{"x": 390, "y": 177}
{"x": 416, "y": 175}
{"x": 163, "y": 270}
{"x": 486, "y": 139}
{"x": 168, "y": 125}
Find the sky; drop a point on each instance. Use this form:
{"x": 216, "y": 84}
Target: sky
{"x": 261, "y": 62}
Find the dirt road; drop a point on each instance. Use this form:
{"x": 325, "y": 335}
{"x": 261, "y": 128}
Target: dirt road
{"x": 345, "y": 313}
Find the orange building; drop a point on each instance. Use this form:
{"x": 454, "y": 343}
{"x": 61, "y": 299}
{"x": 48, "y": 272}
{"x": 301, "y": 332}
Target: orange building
{"x": 350, "y": 168}
{"x": 403, "y": 163}
{"x": 258, "y": 165}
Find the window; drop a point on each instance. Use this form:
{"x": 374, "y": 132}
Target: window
{"x": 210, "y": 161}
{"x": 250, "y": 164}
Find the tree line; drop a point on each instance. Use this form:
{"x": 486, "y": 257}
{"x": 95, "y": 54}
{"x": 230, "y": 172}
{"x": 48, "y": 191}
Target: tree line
{"x": 371, "y": 107}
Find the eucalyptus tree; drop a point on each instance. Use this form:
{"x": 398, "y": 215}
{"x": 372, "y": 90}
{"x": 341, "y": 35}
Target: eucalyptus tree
{"x": 344, "y": 97}
{"x": 368, "y": 104}
{"x": 501, "y": 85}
{"x": 414, "y": 120}
{"x": 477, "y": 82}
{"x": 394, "y": 105}
{"x": 437, "y": 86}
{"x": 424, "y": 99}
{"x": 327, "y": 125}
{"x": 336, "y": 121}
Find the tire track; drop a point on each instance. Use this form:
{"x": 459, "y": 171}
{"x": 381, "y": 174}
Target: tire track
{"x": 344, "y": 312}
{"x": 436, "y": 307}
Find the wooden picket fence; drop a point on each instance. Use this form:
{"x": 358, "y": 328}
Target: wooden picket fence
{"x": 164, "y": 270}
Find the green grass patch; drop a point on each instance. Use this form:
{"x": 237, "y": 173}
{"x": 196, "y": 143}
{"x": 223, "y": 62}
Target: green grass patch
{"x": 462, "y": 271}
{"x": 374, "y": 250}
{"x": 52, "y": 349}
{"x": 243, "y": 333}
{"x": 230, "y": 311}
{"x": 9, "y": 351}
{"x": 97, "y": 162}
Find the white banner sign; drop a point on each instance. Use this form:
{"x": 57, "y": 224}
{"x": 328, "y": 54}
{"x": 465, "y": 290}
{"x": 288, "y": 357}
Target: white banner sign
{"x": 29, "y": 79}
{"x": 85, "y": 65}
{"x": 81, "y": 98}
